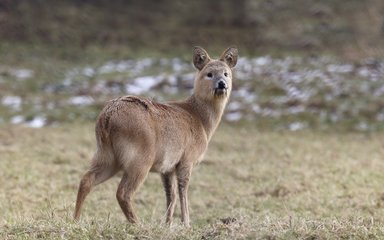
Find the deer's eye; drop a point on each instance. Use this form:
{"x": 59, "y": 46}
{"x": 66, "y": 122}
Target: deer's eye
{"x": 226, "y": 74}
{"x": 209, "y": 75}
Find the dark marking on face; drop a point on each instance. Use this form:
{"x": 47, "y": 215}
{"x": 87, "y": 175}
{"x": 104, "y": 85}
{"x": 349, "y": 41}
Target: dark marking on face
{"x": 220, "y": 92}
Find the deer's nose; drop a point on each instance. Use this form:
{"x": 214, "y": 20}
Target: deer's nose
{"x": 221, "y": 84}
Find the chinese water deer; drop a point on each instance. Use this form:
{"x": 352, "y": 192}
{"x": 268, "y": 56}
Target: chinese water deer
{"x": 137, "y": 135}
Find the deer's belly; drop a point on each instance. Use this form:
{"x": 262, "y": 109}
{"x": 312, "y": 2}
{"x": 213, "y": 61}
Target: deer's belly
{"x": 167, "y": 161}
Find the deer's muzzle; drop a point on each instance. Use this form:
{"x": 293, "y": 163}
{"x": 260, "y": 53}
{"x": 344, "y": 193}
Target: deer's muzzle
{"x": 221, "y": 87}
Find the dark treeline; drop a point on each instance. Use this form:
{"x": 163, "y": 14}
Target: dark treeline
{"x": 255, "y": 25}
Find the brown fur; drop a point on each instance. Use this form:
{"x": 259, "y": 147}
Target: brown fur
{"x": 137, "y": 135}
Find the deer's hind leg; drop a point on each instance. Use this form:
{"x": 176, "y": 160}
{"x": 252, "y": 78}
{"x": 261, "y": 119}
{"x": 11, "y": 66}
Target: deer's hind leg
{"x": 136, "y": 164}
{"x": 131, "y": 181}
{"x": 100, "y": 171}
{"x": 170, "y": 188}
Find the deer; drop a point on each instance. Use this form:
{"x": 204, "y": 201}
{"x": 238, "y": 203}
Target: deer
{"x": 136, "y": 135}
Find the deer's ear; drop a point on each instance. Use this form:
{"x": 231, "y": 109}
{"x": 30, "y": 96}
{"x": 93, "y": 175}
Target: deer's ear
{"x": 200, "y": 57}
{"x": 229, "y": 56}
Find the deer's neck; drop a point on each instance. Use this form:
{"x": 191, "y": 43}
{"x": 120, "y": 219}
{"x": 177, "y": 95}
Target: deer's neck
{"x": 208, "y": 112}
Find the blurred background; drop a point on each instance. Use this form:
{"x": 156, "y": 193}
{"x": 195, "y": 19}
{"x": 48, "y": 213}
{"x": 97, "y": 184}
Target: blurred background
{"x": 304, "y": 63}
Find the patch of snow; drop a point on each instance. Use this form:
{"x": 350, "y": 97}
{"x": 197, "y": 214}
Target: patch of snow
{"x": 178, "y": 65}
{"x": 380, "y": 116}
{"x": 89, "y": 72}
{"x": 170, "y": 85}
{"x": 37, "y": 122}
{"x": 67, "y": 82}
{"x": 17, "y": 119}
{"x": 234, "y": 105}
{"x": 379, "y": 91}
{"x": 296, "y": 109}
{"x": 124, "y": 66}
{"x": 133, "y": 89}
{"x": 164, "y": 61}
{"x": 269, "y": 112}
{"x": 345, "y": 68}
{"x": 141, "y": 65}
{"x": 334, "y": 117}
{"x": 233, "y": 116}
{"x": 362, "y": 126}
{"x": 107, "y": 68}
{"x": 256, "y": 108}
{"x": 81, "y": 101}
{"x": 22, "y": 74}
{"x": 245, "y": 94}
{"x": 143, "y": 84}
{"x": 262, "y": 61}
{"x": 172, "y": 80}
{"x": 189, "y": 76}
{"x": 13, "y": 102}
{"x": 111, "y": 67}
{"x": 296, "y": 126}
{"x": 364, "y": 72}
{"x": 244, "y": 64}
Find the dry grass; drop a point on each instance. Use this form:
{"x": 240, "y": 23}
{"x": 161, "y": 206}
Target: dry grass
{"x": 252, "y": 184}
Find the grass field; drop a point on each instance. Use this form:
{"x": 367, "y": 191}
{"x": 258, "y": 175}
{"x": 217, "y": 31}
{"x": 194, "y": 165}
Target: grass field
{"x": 252, "y": 184}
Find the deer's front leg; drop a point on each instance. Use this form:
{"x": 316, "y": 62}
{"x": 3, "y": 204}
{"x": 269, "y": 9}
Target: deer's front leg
{"x": 183, "y": 173}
